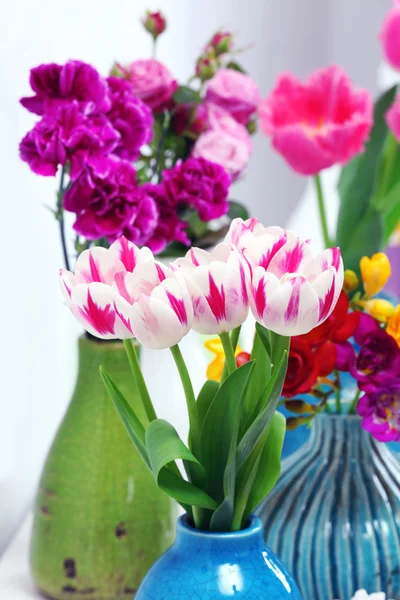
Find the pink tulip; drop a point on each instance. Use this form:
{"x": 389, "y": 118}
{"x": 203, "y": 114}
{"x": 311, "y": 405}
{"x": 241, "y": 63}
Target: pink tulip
{"x": 393, "y": 118}
{"x": 216, "y": 283}
{"x": 390, "y": 36}
{"x": 317, "y": 124}
{"x": 290, "y": 290}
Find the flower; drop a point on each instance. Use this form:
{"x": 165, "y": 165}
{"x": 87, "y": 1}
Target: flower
{"x": 206, "y": 68}
{"x": 290, "y": 290}
{"x": 216, "y": 366}
{"x": 130, "y": 117}
{"x": 201, "y": 184}
{"x": 155, "y": 23}
{"x": 112, "y": 205}
{"x": 380, "y": 409}
{"x": 379, "y": 356}
{"x": 221, "y": 42}
{"x": 234, "y": 91}
{"x": 217, "y": 286}
{"x": 190, "y": 119}
{"x": 393, "y": 326}
{"x": 170, "y": 228}
{"x": 151, "y": 81}
{"x": 351, "y": 281}
{"x": 392, "y": 116}
{"x": 231, "y": 152}
{"x": 90, "y": 292}
{"x": 43, "y": 149}
{"x": 390, "y": 35}
{"x": 375, "y": 272}
{"x": 55, "y": 85}
{"x": 379, "y": 308}
{"x": 317, "y": 124}
{"x": 303, "y": 369}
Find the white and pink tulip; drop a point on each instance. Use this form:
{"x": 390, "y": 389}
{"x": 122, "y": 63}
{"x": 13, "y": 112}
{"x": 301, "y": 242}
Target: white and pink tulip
{"x": 291, "y": 291}
{"x": 217, "y": 286}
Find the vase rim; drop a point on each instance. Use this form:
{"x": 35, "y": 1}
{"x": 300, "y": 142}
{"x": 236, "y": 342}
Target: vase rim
{"x": 254, "y": 528}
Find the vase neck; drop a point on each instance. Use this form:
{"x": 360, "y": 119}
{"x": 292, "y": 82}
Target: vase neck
{"x": 189, "y": 536}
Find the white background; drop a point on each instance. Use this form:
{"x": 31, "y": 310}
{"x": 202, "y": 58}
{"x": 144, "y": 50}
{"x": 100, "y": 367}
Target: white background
{"x": 38, "y": 335}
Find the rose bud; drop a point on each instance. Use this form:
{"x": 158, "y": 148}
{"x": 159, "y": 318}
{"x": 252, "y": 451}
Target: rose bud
{"x": 221, "y": 42}
{"x": 206, "y": 68}
{"x": 155, "y": 23}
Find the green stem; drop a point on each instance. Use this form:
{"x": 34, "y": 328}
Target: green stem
{"x": 353, "y": 405}
{"x": 322, "y": 211}
{"x": 235, "y": 334}
{"x": 154, "y": 47}
{"x": 229, "y": 353}
{"x": 60, "y": 218}
{"x": 138, "y": 375}
{"x": 337, "y": 394}
{"x": 190, "y": 398}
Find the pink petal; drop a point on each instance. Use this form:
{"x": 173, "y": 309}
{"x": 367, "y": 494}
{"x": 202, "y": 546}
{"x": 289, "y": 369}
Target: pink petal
{"x": 155, "y": 323}
{"x": 97, "y": 265}
{"x": 129, "y": 254}
{"x": 95, "y": 309}
{"x": 290, "y": 258}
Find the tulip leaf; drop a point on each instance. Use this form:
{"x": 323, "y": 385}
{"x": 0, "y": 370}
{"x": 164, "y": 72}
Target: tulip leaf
{"x": 269, "y": 466}
{"x": 164, "y": 446}
{"x": 219, "y": 428}
{"x": 131, "y": 422}
{"x": 204, "y": 399}
{"x": 261, "y": 421}
{"x": 265, "y": 338}
{"x": 391, "y": 211}
{"x": 360, "y": 224}
{"x": 237, "y": 210}
{"x": 185, "y": 95}
{"x": 260, "y": 376}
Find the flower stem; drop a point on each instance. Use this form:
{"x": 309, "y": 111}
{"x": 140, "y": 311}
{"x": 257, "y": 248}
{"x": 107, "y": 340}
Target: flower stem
{"x": 190, "y": 398}
{"x": 353, "y": 405}
{"x": 322, "y": 211}
{"x": 337, "y": 394}
{"x": 229, "y": 352}
{"x": 138, "y": 375}
{"x": 60, "y": 218}
{"x": 154, "y": 47}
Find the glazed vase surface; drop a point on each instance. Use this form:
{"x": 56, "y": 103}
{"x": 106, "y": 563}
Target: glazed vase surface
{"x": 100, "y": 521}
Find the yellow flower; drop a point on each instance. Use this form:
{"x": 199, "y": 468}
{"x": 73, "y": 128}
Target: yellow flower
{"x": 381, "y": 310}
{"x": 351, "y": 281}
{"x": 393, "y": 327}
{"x": 375, "y": 272}
{"x": 216, "y": 366}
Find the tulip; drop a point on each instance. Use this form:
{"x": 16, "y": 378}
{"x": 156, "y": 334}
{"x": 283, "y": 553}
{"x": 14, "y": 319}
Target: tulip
{"x": 375, "y": 272}
{"x": 90, "y": 292}
{"x": 216, "y": 283}
{"x": 389, "y": 36}
{"x": 290, "y": 290}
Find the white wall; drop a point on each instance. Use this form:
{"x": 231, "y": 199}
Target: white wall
{"x": 38, "y": 335}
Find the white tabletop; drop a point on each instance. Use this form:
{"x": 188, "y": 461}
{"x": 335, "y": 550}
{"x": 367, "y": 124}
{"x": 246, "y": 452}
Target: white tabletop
{"x": 15, "y": 580}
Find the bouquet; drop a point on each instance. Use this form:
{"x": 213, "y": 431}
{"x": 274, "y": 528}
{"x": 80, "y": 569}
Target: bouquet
{"x": 232, "y": 458}
{"x": 140, "y": 155}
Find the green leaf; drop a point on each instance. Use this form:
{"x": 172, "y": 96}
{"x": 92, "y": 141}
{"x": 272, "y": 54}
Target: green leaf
{"x": 131, "y": 422}
{"x": 237, "y": 210}
{"x": 360, "y": 227}
{"x": 204, "y": 399}
{"x": 256, "y": 430}
{"x": 219, "y": 428}
{"x": 269, "y": 467}
{"x": 164, "y": 446}
{"x": 185, "y": 95}
{"x": 265, "y": 338}
{"x": 391, "y": 211}
{"x": 260, "y": 376}
{"x": 235, "y": 66}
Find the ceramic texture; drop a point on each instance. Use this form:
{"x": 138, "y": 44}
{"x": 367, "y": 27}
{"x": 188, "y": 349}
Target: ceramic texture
{"x": 212, "y": 566}
{"x": 334, "y": 516}
{"x": 100, "y": 521}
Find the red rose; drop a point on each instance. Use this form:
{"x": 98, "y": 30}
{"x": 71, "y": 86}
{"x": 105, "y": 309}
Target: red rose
{"x": 303, "y": 369}
{"x": 338, "y": 327}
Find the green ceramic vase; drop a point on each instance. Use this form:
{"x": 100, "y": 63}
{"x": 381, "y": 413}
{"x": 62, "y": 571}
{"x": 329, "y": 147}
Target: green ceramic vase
{"x": 100, "y": 521}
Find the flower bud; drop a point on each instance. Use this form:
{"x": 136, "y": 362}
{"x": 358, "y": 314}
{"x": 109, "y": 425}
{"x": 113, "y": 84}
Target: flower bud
{"x": 252, "y": 126}
{"x": 242, "y": 358}
{"x": 154, "y": 23}
{"x": 206, "y": 68}
{"x": 294, "y": 422}
{"x": 375, "y": 272}
{"x": 380, "y": 309}
{"x": 299, "y": 407}
{"x": 351, "y": 281}
{"x": 221, "y": 42}
{"x": 117, "y": 71}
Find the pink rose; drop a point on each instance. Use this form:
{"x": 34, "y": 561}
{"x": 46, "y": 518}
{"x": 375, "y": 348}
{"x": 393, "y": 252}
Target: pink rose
{"x": 235, "y": 92}
{"x": 151, "y": 81}
{"x": 226, "y": 142}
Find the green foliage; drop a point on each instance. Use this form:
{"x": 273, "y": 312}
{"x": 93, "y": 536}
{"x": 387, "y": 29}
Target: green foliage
{"x": 361, "y": 229}
{"x": 186, "y": 95}
{"x": 235, "y": 66}
{"x": 237, "y": 210}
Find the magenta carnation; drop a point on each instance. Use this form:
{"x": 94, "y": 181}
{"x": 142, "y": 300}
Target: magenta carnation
{"x": 170, "y": 227}
{"x": 151, "y": 81}
{"x": 43, "y": 149}
{"x": 111, "y": 206}
{"x": 131, "y": 117}
{"x": 317, "y": 124}
{"x": 201, "y": 184}
{"x": 55, "y": 85}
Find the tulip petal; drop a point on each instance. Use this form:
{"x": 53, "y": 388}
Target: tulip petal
{"x": 94, "y": 307}
{"x": 291, "y": 258}
{"x": 173, "y": 291}
{"x": 155, "y": 323}
{"x": 67, "y": 284}
{"x": 97, "y": 265}
{"x": 129, "y": 254}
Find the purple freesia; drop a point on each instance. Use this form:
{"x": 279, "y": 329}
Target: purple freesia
{"x": 55, "y": 85}
{"x": 380, "y": 409}
{"x": 131, "y": 117}
{"x": 201, "y": 184}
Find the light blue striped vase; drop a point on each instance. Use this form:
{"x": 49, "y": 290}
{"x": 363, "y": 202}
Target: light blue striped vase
{"x": 334, "y": 516}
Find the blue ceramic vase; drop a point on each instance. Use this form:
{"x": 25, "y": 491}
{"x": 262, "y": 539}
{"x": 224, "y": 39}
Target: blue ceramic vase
{"x": 213, "y": 566}
{"x": 334, "y": 516}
